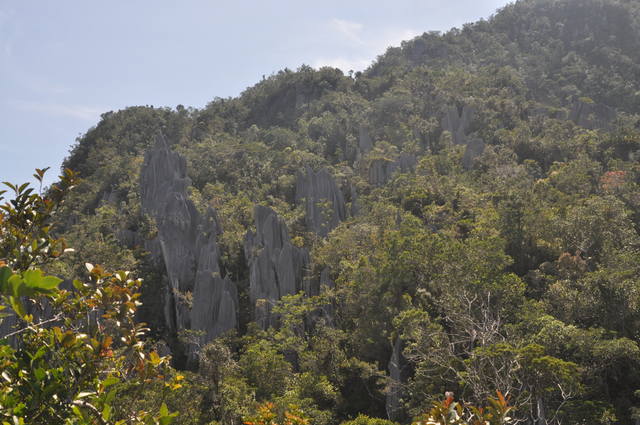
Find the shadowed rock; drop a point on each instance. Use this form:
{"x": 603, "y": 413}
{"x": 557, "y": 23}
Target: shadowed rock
{"x": 355, "y": 203}
{"x": 394, "y": 390}
{"x": 215, "y": 299}
{"x": 276, "y": 266}
{"x": 197, "y": 297}
{"x": 324, "y": 201}
{"x": 591, "y": 115}
{"x": 381, "y": 170}
{"x": 474, "y": 149}
{"x": 364, "y": 139}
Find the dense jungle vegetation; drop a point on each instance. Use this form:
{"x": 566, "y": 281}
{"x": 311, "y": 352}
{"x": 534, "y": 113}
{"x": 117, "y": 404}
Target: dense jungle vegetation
{"x": 500, "y": 264}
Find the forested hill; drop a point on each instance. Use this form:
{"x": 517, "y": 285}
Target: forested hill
{"x": 461, "y": 216}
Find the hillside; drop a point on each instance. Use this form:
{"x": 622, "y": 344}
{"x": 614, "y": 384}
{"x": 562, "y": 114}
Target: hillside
{"x": 461, "y": 216}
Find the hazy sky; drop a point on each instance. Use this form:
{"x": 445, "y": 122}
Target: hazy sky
{"x": 64, "y": 62}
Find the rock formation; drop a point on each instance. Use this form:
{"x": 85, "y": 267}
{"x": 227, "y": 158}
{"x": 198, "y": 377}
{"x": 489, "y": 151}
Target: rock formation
{"x": 381, "y": 170}
{"x": 591, "y": 115}
{"x": 474, "y": 149}
{"x": 457, "y": 123}
{"x": 323, "y": 199}
{"x": 276, "y": 266}
{"x": 394, "y": 389}
{"x": 364, "y": 139}
{"x": 197, "y": 296}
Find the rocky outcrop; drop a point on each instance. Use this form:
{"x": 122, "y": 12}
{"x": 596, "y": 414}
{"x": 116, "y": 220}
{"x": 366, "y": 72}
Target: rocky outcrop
{"x": 215, "y": 299}
{"x": 458, "y": 123}
{"x": 324, "y": 201}
{"x": 197, "y": 296}
{"x": 591, "y": 115}
{"x": 475, "y": 148}
{"x": 394, "y": 389}
{"x": 276, "y": 266}
{"x": 355, "y": 202}
{"x": 365, "y": 144}
{"x": 381, "y": 170}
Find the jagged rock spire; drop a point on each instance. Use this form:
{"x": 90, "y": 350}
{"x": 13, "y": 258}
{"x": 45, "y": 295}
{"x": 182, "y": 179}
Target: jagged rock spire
{"x": 276, "y": 266}
{"x": 197, "y": 296}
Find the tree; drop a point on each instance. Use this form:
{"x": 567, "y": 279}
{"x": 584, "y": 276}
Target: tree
{"x": 68, "y": 352}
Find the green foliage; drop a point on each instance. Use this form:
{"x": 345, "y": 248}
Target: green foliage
{"x": 73, "y": 348}
{"x": 517, "y": 273}
{"x": 366, "y": 420}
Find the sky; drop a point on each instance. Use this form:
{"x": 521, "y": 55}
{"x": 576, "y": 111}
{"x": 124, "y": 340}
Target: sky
{"x": 65, "y": 62}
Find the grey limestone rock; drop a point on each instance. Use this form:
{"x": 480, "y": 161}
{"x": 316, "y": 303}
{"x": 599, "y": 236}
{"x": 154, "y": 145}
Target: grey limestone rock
{"x": 381, "y": 170}
{"x": 475, "y": 148}
{"x": 394, "y": 389}
{"x": 355, "y": 203}
{"x": 276, "y": 266}
{"x": 364, "y": 139}
{"x": 324, "y": 201}
{"x": 215, "y": 299}
{"x": 197, "y": 296}
{"x": 458, "y": 123}
{"x": 591, "y": 115}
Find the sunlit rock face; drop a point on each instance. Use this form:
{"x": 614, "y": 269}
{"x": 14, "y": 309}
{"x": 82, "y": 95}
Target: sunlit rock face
{"x": 276, "y": 266}
{"x": 591, "y": 115}
{"x": 458, "y": 122}
{"x": 323, "y": 199}
{"x": 381, "y": 170}
{"x": 197, "y": 297}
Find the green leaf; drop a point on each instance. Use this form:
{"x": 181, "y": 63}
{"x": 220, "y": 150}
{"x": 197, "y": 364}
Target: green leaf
{"x": 32, "y": 277}
{"x": 35, "y": 279}
{"x": 16, "y": 285}
{"x": 41, "y": 351}
{"x": 164, "y": 410}
{"x": 50, "y": 282}
{"x": 111, "y": 396}
{"x": 17, "y": 306}
{"x": 111, "y": 380}
{"x": 106, "y": 412}
{"x": 5, "y": 274}
{"x": 40, "y": 374}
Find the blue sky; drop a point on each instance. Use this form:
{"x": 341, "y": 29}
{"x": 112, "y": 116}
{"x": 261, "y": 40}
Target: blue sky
{"x": 64, "y": 62}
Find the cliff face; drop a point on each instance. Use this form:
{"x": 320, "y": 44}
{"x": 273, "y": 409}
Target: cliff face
{"x": 276, "y": 266}
{"x": 197, "y": 296}
{"x": 323, "y": 199}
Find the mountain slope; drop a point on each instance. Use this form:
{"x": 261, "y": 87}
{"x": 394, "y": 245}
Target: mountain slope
{"x": 468, "y": 204}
